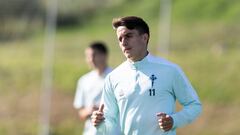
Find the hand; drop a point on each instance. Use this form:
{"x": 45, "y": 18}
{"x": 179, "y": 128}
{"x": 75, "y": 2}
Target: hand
{"x": 86, "y": 112}
{"x": 94, "y": 108}
{"x": 97, "y": 116}
{"x": 165, "y": 121}
{"x": 90, "y": 110}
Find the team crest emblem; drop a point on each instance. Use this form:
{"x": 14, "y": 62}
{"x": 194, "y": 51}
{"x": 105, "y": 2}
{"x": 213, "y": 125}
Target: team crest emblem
{"x": 152, "y": 90}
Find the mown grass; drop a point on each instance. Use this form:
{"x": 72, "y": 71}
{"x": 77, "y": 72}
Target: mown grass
{"x": 211, "y": 67}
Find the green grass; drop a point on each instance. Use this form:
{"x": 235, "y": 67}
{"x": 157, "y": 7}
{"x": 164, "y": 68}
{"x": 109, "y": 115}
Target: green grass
{"x": 211, "y": 65}
{"x": 213, "y": 75}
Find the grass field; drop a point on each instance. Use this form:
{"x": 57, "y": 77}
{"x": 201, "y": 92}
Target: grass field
{"x": 212, "y": 70}
{"x": 207, "y": 50}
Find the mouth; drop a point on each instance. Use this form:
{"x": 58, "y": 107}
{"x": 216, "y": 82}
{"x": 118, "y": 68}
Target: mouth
{"x": 127, "y": 49}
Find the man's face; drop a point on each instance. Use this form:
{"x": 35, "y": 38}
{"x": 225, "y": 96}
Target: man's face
{"x": 94, "y": 58}
{"x": 132, "y": 44}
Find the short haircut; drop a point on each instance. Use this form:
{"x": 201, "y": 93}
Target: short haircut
{"x": 131, "y": 22}
{"x": 99, "y": 46}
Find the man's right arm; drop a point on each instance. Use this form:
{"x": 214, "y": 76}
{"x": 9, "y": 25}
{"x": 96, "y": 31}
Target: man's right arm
{"x": 109, "y": 119}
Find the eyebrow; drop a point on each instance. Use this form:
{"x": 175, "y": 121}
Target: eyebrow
{"x": 128, "y": 33}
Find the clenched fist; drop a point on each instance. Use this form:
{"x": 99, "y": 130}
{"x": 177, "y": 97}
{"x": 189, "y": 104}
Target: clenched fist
{"x": 165, "y": 121}
{"x": 98, "y": 116}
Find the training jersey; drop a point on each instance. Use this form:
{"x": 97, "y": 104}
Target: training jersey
{"x": 88, "y": 94}
{"x": 136, "y": 91}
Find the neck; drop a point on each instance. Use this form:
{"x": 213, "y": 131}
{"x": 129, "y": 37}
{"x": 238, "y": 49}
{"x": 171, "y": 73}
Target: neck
{"x": 100, "y": 70}
{"x": 142, "y": 56}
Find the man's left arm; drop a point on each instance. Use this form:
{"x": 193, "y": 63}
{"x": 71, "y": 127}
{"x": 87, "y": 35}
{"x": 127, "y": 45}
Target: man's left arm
{"x": 187, "y": 97}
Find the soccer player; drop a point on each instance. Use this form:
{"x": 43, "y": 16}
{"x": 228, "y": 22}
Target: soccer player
{"x": 141, "y": 92}
{"x": 89, "y": 87}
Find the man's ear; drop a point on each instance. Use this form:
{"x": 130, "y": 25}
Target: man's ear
{"x": 145, "y": 37}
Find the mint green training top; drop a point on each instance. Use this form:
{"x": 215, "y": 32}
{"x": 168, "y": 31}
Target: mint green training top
{"x": 135, "y": 92}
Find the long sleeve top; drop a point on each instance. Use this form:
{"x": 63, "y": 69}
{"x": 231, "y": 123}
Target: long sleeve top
{"x": 135, "y": 92}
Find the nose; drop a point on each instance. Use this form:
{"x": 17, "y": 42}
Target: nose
{"x": 124, "y": 42}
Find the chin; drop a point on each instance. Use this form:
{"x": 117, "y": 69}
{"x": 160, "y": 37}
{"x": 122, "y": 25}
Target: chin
{"x": 128, "y": 56}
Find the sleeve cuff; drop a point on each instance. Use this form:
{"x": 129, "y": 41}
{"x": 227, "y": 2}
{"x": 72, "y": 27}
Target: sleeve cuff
{"x": 101, "y": 128}
{"x": 174, "y": 117}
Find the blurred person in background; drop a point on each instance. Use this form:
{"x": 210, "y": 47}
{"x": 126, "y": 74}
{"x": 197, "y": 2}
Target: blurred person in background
{"x": 141, "y": 93}
{"x": 89, "y": 86}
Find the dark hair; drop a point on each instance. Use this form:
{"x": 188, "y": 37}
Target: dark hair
{"x": 99, "y": 46}
{"x": 131, "y": 22}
